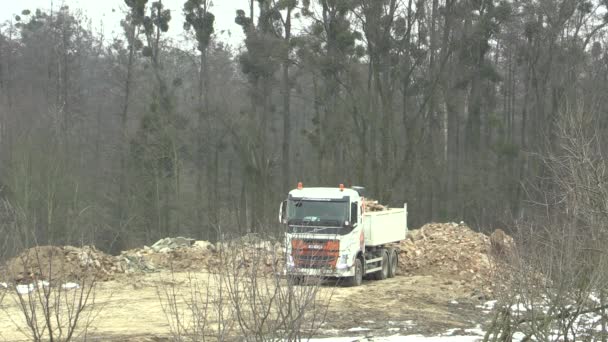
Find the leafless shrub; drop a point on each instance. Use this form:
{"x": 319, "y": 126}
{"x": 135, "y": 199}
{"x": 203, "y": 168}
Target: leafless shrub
{"x": 555, "y": 283}
{"x": 57, "y": 306}
{"x": 196, "y": 308}
{"x": 11, "y": 232}
{"x": 3, "y": 291}
{"x": 267, "y": 307}
{"x": 244, "y": 294}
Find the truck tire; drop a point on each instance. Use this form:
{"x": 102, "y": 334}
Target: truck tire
{"x": 357, "y": 279}
{"x": 294, "y": 280}
{"x": 383, "y": 273}
{"x": 393, "y": 261}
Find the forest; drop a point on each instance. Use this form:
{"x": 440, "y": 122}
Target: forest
{"x": 449, "y": 105}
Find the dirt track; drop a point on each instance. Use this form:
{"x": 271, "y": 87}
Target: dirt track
{"x": 131, "y": 310}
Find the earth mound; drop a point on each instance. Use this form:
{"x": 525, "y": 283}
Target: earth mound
{"x": 449, "y": 249}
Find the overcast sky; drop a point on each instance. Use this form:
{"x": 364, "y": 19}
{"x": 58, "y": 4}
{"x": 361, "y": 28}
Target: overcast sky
{"x": 100, "y": 11}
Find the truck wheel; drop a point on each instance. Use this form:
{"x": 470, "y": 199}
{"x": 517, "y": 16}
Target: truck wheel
{"x": 392, "y": 262}
{"x": 357, "y": 279}
{"x": 294, "y": 280}
{"x": 383, "y": 273}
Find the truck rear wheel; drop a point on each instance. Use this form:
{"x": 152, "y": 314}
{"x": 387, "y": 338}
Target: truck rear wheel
{"x": 383, "y": 273}
{"x": 392, "y": 262}
{"x": 357, "y": 279}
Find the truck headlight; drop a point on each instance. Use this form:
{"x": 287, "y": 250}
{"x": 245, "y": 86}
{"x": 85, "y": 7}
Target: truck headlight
{"x": 342, "y": 262}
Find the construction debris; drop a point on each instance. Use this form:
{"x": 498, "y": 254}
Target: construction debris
{"x": 136, "y": 263}
{"x": 54, "y": 263}
{"x": 180, "y": 254}
{"x": 168, "y": 244}
{"x": 435, "y": 249}
{"x": 501, "y": 244}
{"x": 448, "y": 249}
{"x": 373, "y": 205}
{"x": 167, "y": 255}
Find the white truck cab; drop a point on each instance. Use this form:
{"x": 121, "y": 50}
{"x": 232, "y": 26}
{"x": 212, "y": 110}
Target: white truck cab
{"x": 329, "y": 233}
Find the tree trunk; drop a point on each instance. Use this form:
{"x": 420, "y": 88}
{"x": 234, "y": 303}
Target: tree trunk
{"x": 122, "y": 202}
{"x": 286, "y": 106}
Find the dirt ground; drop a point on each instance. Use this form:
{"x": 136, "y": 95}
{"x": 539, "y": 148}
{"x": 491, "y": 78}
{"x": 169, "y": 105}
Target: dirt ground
{"x": 445, "y": 273}
{"x": 129, "y": 308}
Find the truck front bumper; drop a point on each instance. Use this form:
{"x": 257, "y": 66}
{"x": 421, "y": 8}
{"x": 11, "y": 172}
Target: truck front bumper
{"x": 338, "y": 272}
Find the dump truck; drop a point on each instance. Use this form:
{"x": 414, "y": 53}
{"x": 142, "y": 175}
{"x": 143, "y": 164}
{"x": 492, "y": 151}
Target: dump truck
{"x": 331, "y": 233}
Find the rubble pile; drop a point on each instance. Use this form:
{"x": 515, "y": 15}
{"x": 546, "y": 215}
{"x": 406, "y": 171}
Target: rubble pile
{"x": 178, "y": 254}
{"x": 447, "y": 248}
{"x": 52, "y": 263}
{"x": 61, "y": 263}
{"x": 373, "y": 205}
{"x": 181, "y": 254}
{"x": 435, "y": 249}
{"x": 252, "y": 251}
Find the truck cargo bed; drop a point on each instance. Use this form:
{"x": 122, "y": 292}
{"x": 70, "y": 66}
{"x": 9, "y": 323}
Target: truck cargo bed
{"x": 383, "y": 227}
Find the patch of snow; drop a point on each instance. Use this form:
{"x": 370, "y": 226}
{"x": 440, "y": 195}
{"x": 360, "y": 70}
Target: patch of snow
{"x": 475, "y": 334}
{"x": 453, "y": 302}
{"x": 519, "y": 307}
{"x": 43, "y": 283}
{"x": 489, "y": 305}
{"x": 4, "y": 285}
{"x": 70, "y": 286}
{"x": 335, "y": 339}
{"x": 594, "y": 297}
{"x": 451, "y": 331}
{"x": 357, "y": 329}
{"x": 329, "y": 331}
{"x": 475, "y": 331}
{"x": 25, "y": 289}
{"x": 518, "y": 336}
{"x": 369, "y": 322}
{"x": 397, "y": 338}
{"x": 421, "y": 338}
{"x": 472, "y": 331}
{"x": 408, "y": 323}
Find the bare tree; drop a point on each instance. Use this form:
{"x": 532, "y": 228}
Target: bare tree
{"x": 555, "y": 280}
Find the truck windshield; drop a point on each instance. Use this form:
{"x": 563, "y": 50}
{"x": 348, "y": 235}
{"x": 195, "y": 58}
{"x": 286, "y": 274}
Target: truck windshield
{"x": 317, "y": 213}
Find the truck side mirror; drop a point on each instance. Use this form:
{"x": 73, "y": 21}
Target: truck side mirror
{"x": 283, "y": 212}
{"x": 354, "y": 213}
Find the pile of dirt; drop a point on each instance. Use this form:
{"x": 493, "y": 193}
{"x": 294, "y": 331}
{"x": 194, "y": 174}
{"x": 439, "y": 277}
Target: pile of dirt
{"x": 435, "y": 249}
{"x": 53, "y": 263}
{"x": 180, "y": 254}
{"x": 60, "y": 264}
{"x": 448, "y": 249}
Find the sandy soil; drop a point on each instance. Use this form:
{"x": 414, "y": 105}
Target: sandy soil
{"x": 129, "y": 309}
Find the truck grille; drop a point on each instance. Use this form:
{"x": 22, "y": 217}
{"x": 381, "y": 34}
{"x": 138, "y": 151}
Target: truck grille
{"x": 312, "y": 253}
{"x": 318, "y": 261}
